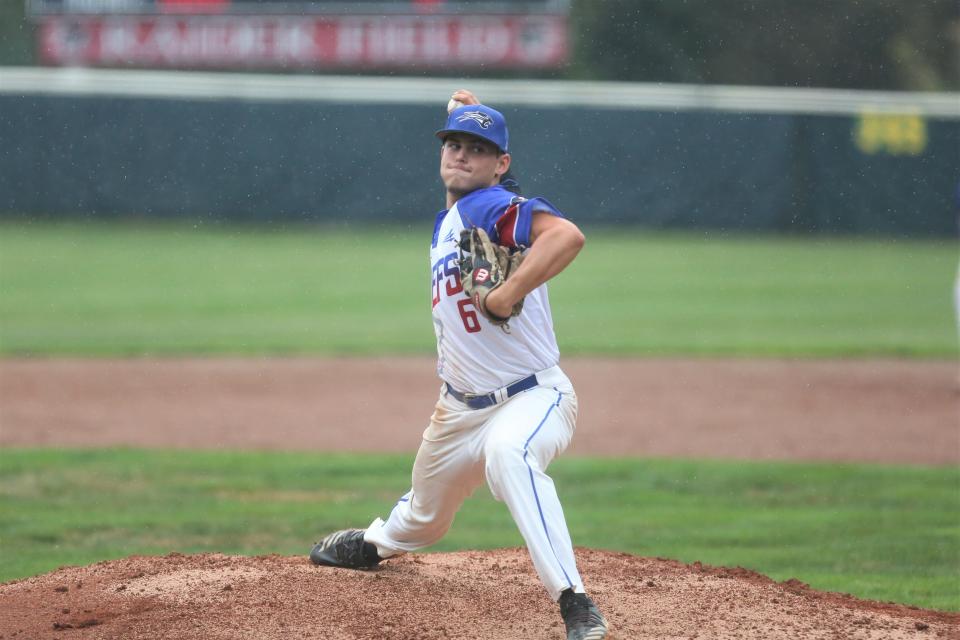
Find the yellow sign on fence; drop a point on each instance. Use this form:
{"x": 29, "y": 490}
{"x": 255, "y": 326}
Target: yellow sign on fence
{"x": 895, "y": 134}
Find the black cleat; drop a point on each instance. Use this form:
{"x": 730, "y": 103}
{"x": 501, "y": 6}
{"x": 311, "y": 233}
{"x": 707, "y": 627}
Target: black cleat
{"x": 346, "y": 549}
{"x": 582, "y": 617}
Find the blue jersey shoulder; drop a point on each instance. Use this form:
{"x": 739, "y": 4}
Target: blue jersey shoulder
{"x": 483, "y": 207}
{"x": 505, "y": 216}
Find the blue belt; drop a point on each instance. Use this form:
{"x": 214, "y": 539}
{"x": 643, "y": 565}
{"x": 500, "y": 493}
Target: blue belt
{"x": 482, "y": 401}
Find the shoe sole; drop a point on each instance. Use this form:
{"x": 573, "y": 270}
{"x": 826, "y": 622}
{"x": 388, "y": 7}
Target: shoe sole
{"x": 598, "y": 634}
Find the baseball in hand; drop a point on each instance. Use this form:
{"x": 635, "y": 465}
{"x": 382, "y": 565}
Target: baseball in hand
{"x": 453, "y": 104}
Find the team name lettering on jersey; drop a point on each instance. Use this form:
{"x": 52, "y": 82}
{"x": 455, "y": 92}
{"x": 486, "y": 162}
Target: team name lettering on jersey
{"x": 447, "y": 273}
{"x": 446, "y": 278}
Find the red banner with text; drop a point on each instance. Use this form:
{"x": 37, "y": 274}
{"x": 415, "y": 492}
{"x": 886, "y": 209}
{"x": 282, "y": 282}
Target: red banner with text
{"x": 451, "y": 41}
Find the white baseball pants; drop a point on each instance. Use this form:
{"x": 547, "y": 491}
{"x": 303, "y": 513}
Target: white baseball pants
{"x": 510, "y": 445}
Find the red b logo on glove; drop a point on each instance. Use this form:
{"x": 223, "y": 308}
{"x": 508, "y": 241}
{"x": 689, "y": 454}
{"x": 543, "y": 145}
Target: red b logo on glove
{"x": 481, "y": 275}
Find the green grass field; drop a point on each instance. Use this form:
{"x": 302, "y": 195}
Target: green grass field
{"x": 879, "y": 532}
{"x": 882, "y": 532}
{"x": 95, "y": 289}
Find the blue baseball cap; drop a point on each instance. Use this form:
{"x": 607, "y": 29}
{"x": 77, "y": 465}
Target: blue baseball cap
{"x": 478, "y": 120}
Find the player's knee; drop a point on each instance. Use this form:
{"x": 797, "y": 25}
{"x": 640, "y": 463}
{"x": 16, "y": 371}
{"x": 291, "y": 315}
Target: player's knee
{"x": 503, "y": 460}
{"x": 503, "y": 451}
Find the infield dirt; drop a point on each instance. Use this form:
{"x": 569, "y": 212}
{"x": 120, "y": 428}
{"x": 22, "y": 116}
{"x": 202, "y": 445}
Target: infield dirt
{"x": 898, "y": 411}
{"x": 491, "y": 595}
{"x": 872, "y": 411}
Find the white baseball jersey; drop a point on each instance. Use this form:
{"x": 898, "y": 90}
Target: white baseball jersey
{"x": 475, "y": 356}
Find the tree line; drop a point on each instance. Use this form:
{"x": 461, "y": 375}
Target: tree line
{"x": 862, "y": 44}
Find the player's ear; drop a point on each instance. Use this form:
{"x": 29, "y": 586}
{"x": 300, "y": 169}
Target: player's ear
{"x": 503, "y": 164}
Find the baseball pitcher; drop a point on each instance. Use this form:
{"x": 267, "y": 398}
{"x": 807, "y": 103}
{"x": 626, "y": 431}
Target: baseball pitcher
{"x": 506, "y": 409}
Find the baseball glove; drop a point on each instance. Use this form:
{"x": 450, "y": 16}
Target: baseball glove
{"x": 484, "y": 266}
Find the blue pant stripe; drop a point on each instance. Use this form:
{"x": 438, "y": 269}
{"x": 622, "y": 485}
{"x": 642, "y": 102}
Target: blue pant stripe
{"x": 536, "y": 496}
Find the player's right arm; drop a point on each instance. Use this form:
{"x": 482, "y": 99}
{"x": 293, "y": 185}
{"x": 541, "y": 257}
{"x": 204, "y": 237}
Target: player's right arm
{"x": 464, "y": 96}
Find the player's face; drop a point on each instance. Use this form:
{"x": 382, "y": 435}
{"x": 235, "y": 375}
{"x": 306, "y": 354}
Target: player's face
{"x": 468, "y": 163}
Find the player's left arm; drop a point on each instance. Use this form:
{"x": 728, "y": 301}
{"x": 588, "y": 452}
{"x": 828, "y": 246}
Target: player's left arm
{"x": 554, "y": 243}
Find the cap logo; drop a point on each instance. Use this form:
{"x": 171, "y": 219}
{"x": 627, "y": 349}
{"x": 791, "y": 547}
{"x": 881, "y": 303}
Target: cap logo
{"x": 479, "y": 117}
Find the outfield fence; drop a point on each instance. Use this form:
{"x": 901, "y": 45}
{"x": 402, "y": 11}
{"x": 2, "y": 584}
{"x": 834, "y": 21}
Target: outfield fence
{"x": 275, "y": 148}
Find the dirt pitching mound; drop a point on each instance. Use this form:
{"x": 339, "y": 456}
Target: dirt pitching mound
{"x": 469, "y": 595}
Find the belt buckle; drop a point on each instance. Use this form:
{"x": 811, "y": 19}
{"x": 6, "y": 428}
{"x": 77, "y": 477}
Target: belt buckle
{"x": 478, "y": 400}
{"x": 470, "y": 398}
